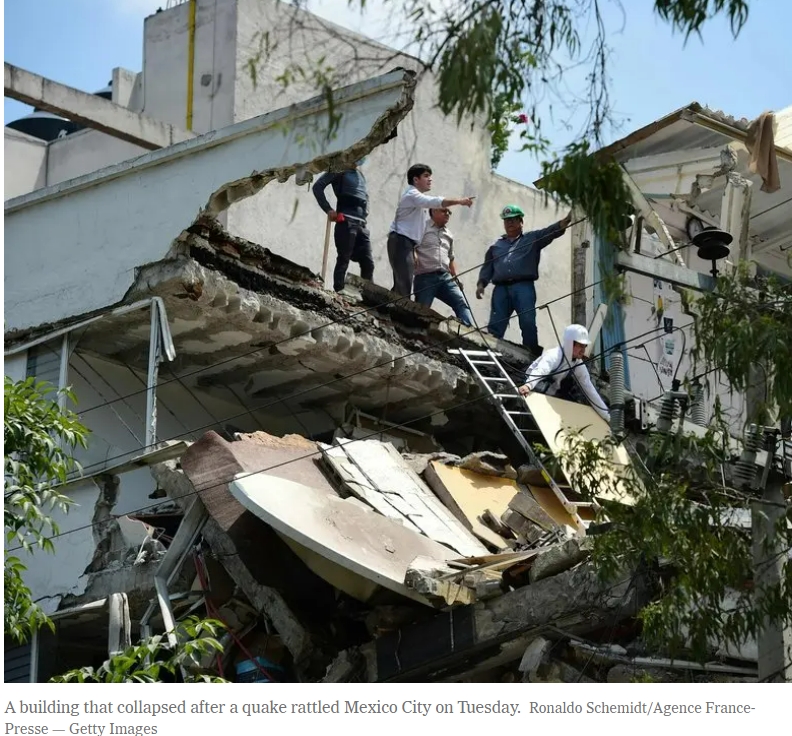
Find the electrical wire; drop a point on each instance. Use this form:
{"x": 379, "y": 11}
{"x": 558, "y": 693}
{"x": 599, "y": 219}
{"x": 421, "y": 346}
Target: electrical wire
{"x": 338, "y": 379}
{"x": 104, "y": 462}
{"x": 297, "y": 459}
{"x": 308, "y": 332}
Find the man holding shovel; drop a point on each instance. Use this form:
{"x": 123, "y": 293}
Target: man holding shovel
{"x": 351, "y": 235}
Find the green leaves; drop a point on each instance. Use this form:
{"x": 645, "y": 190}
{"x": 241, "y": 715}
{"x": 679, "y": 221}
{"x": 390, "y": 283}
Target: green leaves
{"x": 682, "y": 522}
{"x": 38, "y": 439}
{"x": 688, "y": 16}
{"x": 593, "y": 183}
{"x": 154, "y": 657}
{"x": 744, "y": 328}
{"x": 21, "y": 616}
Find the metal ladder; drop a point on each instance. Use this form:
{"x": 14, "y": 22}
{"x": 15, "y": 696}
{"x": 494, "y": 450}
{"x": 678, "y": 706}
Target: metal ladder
{"x": 503, "y": 393}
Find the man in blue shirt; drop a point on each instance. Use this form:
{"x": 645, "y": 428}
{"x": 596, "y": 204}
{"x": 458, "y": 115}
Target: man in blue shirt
{"x": 351, "y": 235}
{"x": 512, "y": 265}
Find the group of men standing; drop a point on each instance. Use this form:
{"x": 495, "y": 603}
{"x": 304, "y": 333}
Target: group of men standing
{"x": 421, "y": 256}
{"x": 421, "y": 249}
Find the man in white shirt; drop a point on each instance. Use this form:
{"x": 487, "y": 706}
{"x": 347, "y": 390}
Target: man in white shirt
{"x": 435, "y": 272}
{"x": 561, "y": 372}
{"x": 407, "y": 227}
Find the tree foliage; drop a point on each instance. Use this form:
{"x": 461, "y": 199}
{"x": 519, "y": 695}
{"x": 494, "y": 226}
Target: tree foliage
{"x": 39, "y": 437}
{"x": 155, "y": 658}
{"x": 745, "y": 325}
{"x": 490, "y": 57}
{"x": 688, "y": 515}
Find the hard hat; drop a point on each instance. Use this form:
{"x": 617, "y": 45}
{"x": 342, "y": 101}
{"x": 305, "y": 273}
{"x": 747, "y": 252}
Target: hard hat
{"x": 511, "y": 210}
{"x": 578, "y": 333}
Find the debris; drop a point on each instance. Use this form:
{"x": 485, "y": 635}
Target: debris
{"x": 496, "y": 525}
{"x": 609, "y": 654}
{"x": 356, "y": 550}
{"x": 522, "y": 527}
{"x": 526, "y": 505}
{"x": 384, "y": 480}
{"x": 558, "y": 558}
{"x": 535, "y": 655}
{"x": 432, "y": 582}
{"x": 468, "y": 495}
{"x": 488, "y": 463}
{"x": 344, "y": 667}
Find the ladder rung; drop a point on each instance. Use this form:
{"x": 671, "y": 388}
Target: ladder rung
{"x": 494, "y": 378}
{"x": 475, "y": 353}
{"x": 482, "y": 362}
{"x": 518, "y": 413}
{"x": 507, "y": 396}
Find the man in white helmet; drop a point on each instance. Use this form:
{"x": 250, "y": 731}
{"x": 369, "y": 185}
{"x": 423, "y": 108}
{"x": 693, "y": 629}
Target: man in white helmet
{"x": 561, "y": 372}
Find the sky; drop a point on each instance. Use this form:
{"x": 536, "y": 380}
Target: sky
{"x": 653, "y": 70}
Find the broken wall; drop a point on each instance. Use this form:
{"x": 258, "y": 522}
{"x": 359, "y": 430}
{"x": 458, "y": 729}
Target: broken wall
{"x": 286, "y": 218}
{"x": 94, "y": 536}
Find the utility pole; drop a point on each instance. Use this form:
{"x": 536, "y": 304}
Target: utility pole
{"x": 769, "y": 534}
{"x": 771, "y": 557}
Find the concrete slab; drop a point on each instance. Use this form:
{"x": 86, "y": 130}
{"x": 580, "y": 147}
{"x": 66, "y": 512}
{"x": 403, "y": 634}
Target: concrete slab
{"x": 345, "y": 541}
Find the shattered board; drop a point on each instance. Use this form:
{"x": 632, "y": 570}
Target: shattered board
{"x": 377, "y": 474}
{"x": 468, "y": 495}
{"x": 559, "y": 419}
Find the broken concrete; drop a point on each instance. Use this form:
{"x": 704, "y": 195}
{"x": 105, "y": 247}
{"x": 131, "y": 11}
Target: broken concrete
{"x": 576, "y": 600}
{"x": 558, "y": 558}
{"x": 246, "y": 547}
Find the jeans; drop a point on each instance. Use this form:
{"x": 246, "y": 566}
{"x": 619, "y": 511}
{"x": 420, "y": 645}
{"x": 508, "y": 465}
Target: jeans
{"x": 441, "y": 285}
{"x": 520, "y": 297}
{"x": 400, "y": 255}
{"x": 352, "y": 243}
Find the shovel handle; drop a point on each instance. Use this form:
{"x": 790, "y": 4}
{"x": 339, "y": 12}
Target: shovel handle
{"x": 326, "y": 250}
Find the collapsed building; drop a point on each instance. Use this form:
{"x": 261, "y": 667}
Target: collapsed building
{"x": 325, "y": 474}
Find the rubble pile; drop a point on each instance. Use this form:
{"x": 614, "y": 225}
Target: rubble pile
{"x": 350, "y": 561}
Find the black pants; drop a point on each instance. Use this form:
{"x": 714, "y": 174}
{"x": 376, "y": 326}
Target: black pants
{"x": 400, "y": 256}
{"x": 353, "y": 243}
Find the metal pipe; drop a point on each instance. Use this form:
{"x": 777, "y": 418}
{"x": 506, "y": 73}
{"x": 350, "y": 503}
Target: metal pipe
{"x": 154, "y": 358}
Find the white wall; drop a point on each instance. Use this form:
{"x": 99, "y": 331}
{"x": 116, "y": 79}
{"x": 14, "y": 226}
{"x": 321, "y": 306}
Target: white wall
{"x": 165, "y": 65}
{"x": 25, "y": 165}
{"x": 84, "y": 152}
{"x": 286, "y": 218}
{"x": 111, "y": 222}
{"x": 15, "y": 366}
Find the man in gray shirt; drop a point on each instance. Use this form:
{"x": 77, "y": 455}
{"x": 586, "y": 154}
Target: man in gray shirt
{"x": 435, "y": 272}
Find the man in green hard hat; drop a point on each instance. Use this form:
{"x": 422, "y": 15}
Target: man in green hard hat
{"x": 512, "y": 265}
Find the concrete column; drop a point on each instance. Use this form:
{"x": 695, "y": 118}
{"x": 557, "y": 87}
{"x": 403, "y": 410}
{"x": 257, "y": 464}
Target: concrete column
{"x": 774, "y": 639}
{"x": 735, "y": 214}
